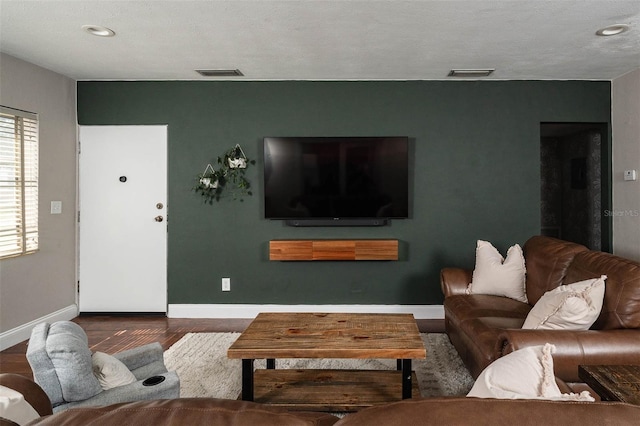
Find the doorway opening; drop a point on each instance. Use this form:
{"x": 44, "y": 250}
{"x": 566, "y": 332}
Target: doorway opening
{"x": 575, "y": 183}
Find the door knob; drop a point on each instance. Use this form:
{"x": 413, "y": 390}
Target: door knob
{"x": 158, "y": 218}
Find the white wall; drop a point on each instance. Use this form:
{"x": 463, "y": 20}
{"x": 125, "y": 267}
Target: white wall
{"x": 40, "y": 284}
{"x": 625, "y": 121}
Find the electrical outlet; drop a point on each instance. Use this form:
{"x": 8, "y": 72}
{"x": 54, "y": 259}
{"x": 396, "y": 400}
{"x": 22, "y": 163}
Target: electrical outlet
{"x": 226, "y": 284}
{"x": 56, "y": 207}
{"x": 630, "y": 175}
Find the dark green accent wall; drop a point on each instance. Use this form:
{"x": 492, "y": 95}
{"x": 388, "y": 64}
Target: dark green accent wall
{"x": 474, "y": 174}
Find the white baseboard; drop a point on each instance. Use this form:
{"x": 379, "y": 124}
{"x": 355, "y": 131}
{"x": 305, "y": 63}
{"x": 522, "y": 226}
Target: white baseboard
{"x": 250, "y": 311}
{"x": 23, "y": 332}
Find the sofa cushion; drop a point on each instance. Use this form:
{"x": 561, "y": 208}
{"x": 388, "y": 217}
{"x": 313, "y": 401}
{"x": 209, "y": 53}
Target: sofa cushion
{"x": 621, "y": 306}
{"x": 547, "y": 262}
{"x": 495, "y": 275}
{"x": 524, "y": 374}
{"x": 475, "y": 411}
{"x": 568, "y": 307}
{"x": 110, "y": 371}
{"x": 68, "y": 348}
{"x": 459, "y": 308}
{"x": 187, "y": 411}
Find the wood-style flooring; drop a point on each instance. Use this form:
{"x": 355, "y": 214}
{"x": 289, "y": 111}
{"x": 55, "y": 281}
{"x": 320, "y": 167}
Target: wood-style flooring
{"x": 114, "y": 333}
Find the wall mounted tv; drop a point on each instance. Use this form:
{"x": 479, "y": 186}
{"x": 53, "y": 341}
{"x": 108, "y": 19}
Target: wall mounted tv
{"x": 336, "y": 181}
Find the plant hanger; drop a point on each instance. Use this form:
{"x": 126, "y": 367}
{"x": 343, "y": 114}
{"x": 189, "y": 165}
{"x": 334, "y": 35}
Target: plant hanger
{"x": 237, "y": 159}
{"x": 207, "y": 175}
{"x": 228, "y": 179}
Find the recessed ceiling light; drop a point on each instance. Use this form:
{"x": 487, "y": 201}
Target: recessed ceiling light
{"x": 220, "y": 73}
{"x": 613, "y": 30}
{"x": 99, "y": 31}
{"x": 471, "y": 73}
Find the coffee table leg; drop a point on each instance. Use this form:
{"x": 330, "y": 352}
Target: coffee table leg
{"x": 247, "y": 380}
{"x": 271, "y": 363}
{"x": 406, "y": 378}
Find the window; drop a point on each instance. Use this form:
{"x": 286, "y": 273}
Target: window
{"x": 18, "y": 182}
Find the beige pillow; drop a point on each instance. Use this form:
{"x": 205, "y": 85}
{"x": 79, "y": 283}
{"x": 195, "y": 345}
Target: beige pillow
{"x": 14, "y": 407}
{"x": 568, "y": 307}
{"x": 110, "y": 371}
{"x": 524, "y": 374}
{"x": 498, "y": 276}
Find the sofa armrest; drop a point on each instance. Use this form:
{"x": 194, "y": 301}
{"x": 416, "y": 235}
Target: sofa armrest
{"x": 30, "y": 390}
{"x": 454, "y": 281}
{"x": 574, "y": 348}
{"x": 141, "y": 355}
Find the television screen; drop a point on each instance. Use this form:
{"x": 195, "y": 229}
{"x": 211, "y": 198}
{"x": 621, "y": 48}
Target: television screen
{"x": 335, "y": 178}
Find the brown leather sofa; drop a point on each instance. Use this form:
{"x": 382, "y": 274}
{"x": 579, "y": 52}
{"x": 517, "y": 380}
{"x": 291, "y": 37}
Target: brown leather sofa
{"x": 483, "y": 328}
{"x": 423, "y": 411}
{"x": 178, "y": 412}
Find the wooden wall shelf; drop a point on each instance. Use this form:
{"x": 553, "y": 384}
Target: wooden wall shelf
{"x": 333, "y": 250}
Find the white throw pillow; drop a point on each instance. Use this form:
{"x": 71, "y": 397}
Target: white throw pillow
{"x": 568, "y": 307}
{"x": 110, "y": 371}
{"x": 498, "y": 276}
{"x": 14, "y": 407}
{"x": 524, "y": 374}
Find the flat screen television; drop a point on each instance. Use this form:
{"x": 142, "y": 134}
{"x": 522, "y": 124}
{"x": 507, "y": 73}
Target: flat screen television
{"x": 336, "y": 181}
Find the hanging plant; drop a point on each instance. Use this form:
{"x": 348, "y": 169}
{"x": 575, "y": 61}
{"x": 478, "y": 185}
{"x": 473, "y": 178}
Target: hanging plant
{"x": 210, "y": 184}
{"x": 228, "y": 180}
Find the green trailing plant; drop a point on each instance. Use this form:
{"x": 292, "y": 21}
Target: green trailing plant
{"x": 228, "y": 180}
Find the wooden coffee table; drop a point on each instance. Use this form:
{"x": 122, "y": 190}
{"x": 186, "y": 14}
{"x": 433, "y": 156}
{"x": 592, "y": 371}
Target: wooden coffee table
{"x": 613, "y": 382}
{"x": 328, "y": 335}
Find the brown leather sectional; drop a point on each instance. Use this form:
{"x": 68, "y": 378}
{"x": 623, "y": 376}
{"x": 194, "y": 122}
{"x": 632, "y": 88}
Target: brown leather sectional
{"x": 483, "y": 328}
{"x": 422, "y": 411}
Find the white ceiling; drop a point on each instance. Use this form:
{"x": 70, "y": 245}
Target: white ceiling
{"x": 324, "y": 40}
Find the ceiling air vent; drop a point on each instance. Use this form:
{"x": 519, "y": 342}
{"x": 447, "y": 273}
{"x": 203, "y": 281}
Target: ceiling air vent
{"x": 220, "y": 73}
{"x": 471, "y": 73}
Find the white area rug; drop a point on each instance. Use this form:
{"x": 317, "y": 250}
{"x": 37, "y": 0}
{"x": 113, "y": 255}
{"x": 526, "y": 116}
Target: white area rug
{"x": 200, "y": 359}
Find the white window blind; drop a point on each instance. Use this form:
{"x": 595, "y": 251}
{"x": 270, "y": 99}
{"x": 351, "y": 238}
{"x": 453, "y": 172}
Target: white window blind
{"x": 18, "y": 182}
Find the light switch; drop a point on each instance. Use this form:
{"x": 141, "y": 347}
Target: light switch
{"x": 630, "y": 175}
{"x": 56, "y": 207}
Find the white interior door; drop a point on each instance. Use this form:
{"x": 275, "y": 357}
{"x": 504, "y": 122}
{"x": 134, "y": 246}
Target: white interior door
{"x": 123, "y": 219}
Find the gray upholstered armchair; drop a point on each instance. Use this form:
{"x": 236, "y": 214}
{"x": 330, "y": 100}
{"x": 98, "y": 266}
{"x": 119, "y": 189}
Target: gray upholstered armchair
{"x": 62, "y": 365}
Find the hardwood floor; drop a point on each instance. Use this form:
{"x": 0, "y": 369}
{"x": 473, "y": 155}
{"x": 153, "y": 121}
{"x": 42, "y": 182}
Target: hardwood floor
{"x": 114, "y": 333}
